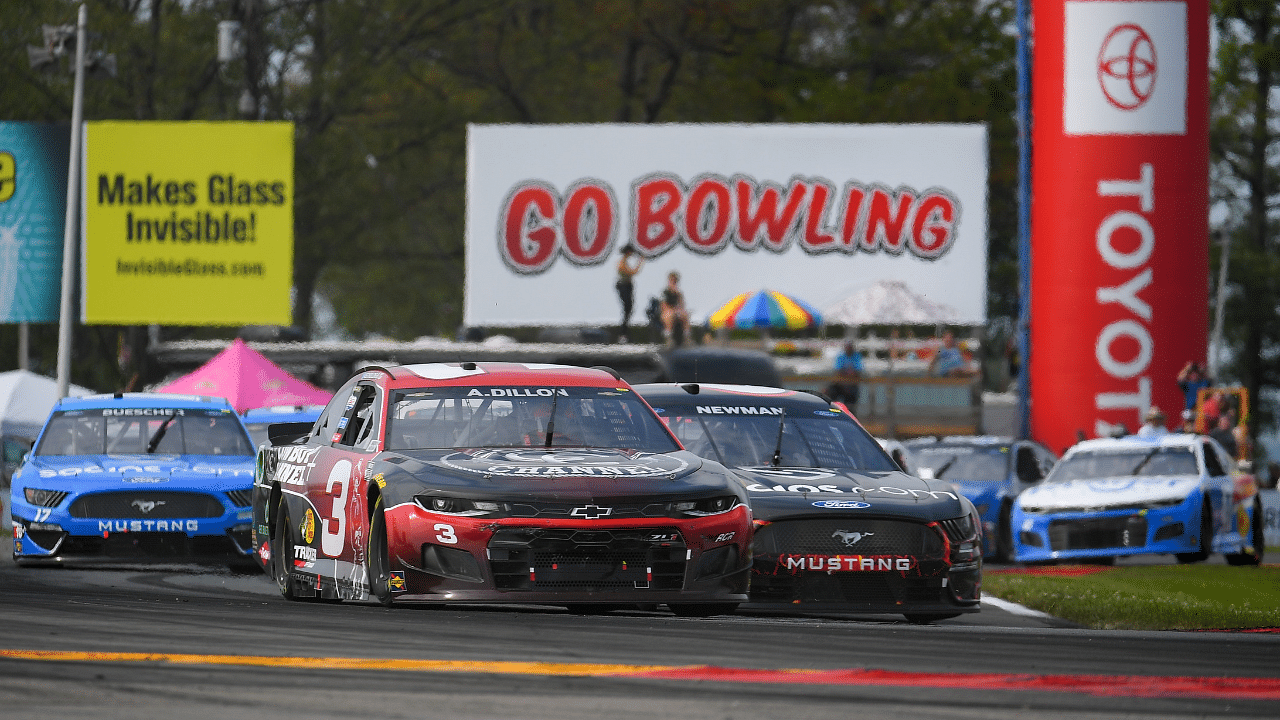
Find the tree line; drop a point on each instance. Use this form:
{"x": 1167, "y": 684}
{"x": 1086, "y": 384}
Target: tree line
{"x": 381, "y": 92}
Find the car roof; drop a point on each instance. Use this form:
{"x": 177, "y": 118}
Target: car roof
{"x": 142, "y": 400}
{"x": 1133, "y": 442}
{"x": 286, "y": 413}
{"x": 962, "y": 440}
{"x": 495, "y": 373}
{"x": 704, "y": 393}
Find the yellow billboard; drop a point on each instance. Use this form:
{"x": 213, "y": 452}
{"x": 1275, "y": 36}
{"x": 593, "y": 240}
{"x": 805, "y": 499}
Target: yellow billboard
{"x": 188, "y": 223}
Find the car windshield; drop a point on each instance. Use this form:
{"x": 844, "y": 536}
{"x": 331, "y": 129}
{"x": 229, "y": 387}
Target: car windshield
{"x": 831, "y": 441}
{"x": 1124, "y": 463}
{"x": 140, "y": 431}
{"x": 481, "y": 417}
{"x": 960, "y": 462}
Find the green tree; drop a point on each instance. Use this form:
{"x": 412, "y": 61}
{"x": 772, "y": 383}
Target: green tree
{"x": 1243, "y": 141}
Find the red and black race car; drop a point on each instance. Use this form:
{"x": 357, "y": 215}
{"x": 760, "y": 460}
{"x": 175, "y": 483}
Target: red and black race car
{"x": 498, "y": 482}
{"x": 839, "y": 527}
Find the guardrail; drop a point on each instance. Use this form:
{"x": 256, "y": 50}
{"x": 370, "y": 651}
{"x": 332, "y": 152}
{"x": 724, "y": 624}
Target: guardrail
{"x": 902, "y": 406}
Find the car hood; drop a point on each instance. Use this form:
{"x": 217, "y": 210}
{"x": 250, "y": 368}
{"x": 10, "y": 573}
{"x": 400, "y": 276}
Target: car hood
{"x": 776, "y": 493}
{"x": 979, "y": 492}
{"x": 1102, "y": 493}
{"x": 168, "y": 472}
{"x": 555, "y": 473}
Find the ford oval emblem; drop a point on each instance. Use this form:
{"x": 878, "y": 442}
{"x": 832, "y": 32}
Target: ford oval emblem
{"x": 842, "y": 504}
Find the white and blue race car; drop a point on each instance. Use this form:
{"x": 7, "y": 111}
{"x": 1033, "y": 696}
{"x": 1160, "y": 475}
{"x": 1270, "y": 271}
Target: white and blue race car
{"x": 1132, "y": 496}
{"x": 136, "y": 477}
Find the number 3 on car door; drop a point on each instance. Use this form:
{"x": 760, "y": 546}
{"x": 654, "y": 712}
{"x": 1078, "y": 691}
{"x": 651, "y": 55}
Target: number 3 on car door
{"x": 333, "y": 534}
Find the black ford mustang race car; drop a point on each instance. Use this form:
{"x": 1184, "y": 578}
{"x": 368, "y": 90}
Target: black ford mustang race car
{"x": 839, "y": 527}
{"x": 498, "y": 482}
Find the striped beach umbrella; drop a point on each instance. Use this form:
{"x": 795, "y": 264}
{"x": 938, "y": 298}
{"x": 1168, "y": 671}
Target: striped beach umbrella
{"x": 764, "y": 309}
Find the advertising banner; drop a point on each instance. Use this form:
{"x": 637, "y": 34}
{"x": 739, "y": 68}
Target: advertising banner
{"x": 818, "y": 212}
{"x": 1119, "y": 295}
{"x": 33, "y": 210}
{"x": 188, "y": 223}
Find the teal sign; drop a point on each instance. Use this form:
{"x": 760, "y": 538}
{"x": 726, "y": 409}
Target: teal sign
{"x": 33, "y": 206}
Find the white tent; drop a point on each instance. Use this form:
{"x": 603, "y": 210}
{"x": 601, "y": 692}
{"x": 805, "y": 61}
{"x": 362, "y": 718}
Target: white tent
{"x": 888, "y": 302}
{"x": 25, "y": 401}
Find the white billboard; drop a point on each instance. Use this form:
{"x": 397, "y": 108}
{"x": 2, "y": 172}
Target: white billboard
{"x": 818, "y": 212}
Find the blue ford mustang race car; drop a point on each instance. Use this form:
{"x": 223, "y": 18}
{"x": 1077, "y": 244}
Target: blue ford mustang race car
{"x": 135, "y": 477}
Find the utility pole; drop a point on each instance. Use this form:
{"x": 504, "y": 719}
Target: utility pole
{"x": 69, "y": 245}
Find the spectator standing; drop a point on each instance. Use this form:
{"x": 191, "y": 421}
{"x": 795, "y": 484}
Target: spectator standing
{"x": 1191, "y": 379}
{"x": 849, "y": 370}
{"x": 1225, "y": 434}
{"x": 948, "y": 362}
{"x": 1154, "y": 424}
{"x": 628, "y": 265}
{"x": 675, "y": 317}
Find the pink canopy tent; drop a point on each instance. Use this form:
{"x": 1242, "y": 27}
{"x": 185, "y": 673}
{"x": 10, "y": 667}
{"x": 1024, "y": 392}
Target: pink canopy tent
{"x": 248, "y": 380}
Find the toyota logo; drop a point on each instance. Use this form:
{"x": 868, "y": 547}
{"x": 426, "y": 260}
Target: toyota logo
{"x": 1127, "y": 66}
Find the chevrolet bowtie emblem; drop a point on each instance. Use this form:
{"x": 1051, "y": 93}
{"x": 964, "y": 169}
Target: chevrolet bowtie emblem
{"x": 591, "y": 512}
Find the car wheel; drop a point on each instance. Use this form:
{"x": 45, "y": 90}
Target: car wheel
{"x": 1004, "y": 535}
{"x": 702, "y": 610}
{"x": 1257, "y": 539}
{"x": 926, "y": 618}
{"x": 1206, "y": 538}
{"x": 282, "y": 552}
{"x": 379, "y": 572}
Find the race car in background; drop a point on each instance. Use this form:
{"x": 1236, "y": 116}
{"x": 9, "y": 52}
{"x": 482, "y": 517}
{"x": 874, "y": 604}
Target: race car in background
{"x": 839, "y": 528}
{"x": 498, "y": 482}
{"x": 1131, "y": 496}
{"x": 135, "y": 477}
{"x": 257, "y": 421}
{"x": 991, "y": 472}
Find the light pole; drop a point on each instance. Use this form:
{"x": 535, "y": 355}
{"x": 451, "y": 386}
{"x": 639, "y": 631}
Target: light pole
{"x": 73, "y": 197}
{"x": 56, "y": 39}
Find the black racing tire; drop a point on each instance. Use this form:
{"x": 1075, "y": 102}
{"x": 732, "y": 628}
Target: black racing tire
{"x": 1206, "y": 538}
{"x": 282, "y": 551}
{"x": 1004, "y": 535}
{"x": 379, "y": 562}
{"x": 702, "y": 610}
{"x": 1257, "y": 538}
{"x": 926, "y": 618}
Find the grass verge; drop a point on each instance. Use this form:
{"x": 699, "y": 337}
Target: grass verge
{"x": 1152, "y": 597}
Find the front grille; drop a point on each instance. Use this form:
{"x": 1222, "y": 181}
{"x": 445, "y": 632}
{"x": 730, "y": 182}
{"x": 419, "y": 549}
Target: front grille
{"x": 1168, "y": 532}
{"x": 146, "y": 505}
{"x": 616, "y": 509}
{"x": 587, "y": 560}
{"x": 240, "y": 498}
{"x": 1098, "y": 533}
{"x": 831, "y": 536}
{"x": 868, "y": 591}
{"x": 958, "y": 529}
{"x": 149, "y": 545}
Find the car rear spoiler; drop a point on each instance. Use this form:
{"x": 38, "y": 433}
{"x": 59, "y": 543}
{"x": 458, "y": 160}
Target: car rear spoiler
{"x": 288, "y": 433}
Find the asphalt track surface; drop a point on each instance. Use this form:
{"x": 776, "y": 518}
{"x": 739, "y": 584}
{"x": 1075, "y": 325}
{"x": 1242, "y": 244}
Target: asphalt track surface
{"x": 193, "y": 643}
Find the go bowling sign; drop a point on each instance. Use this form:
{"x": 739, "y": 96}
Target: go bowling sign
{"x": 1119, "y": 211}
{"x": 815, "y": 211}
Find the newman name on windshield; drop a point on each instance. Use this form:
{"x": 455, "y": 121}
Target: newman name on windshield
{"x": 737, "y": 410}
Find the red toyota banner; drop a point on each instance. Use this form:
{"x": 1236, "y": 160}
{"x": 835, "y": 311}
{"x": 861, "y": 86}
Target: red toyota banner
{"x": 1119, "y": 295}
